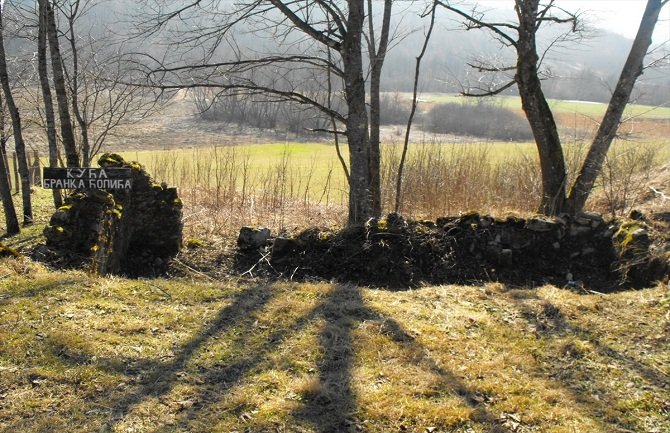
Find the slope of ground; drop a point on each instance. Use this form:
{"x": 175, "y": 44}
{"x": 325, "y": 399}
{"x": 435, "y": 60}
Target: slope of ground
{"x": 81, "y": 354}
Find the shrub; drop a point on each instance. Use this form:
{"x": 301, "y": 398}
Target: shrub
{"x": 479, "y": 119}
{"x": 393, "y": 109}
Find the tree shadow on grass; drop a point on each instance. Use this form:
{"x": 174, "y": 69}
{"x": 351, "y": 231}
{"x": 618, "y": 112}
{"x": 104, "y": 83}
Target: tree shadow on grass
{"x": 331, "y": 405}
{"x": 564, "y": 368}
{"x": 162, "y": 377}
{"x": 333, "y": 408}
{"x": 551, "y": 322}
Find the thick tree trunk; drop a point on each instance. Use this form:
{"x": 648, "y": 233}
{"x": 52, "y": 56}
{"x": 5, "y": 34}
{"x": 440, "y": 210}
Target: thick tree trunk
{"x": 11, "y": 221}
{"x": 67, "y": 132}
{"x": 19, "y": 144}
{"x": 46, "y": 95}
{"x": 540, "y": 117}
{"x": 632, "y": 69}
{"x": 360, "y": 180}
{"x": 377, "y": 57}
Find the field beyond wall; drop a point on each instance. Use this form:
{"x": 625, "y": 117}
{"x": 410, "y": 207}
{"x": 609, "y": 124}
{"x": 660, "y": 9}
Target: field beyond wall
{"x": 234, "y": 176}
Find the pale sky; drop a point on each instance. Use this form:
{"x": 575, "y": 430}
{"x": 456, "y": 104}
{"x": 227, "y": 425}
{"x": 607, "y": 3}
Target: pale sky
{"x": 619, "y": 16}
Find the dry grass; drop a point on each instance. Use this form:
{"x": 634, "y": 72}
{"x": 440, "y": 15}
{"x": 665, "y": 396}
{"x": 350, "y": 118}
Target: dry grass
{"x": 292, "y": 184}
{"x": 286, "y": 186}
{"x": 81, "y": 354}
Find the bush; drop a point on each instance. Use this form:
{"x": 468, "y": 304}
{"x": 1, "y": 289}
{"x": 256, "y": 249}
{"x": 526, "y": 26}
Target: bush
{"x": 393, "y": 109}
{"x": 478, "y": 120}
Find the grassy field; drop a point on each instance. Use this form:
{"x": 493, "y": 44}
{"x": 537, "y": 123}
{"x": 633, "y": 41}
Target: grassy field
{"x": 80, "y": 354}
{"x": 559, "y": 107}
{"x": 316, "y": 160}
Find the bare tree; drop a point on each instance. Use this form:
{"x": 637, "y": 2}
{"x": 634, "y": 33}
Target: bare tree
{"x": 521, "y": 36}
{"x": 305, "y": 35}
{"x": 89, "y": 78}
{"x": 415, "y": 103}
{"x": 11, "y": 220}
{"x": 95, "y": 74}
{"x": 67, "y": 132}
{"x": 632, "y": 69}
{"x": 71, "y": 11}
{"x": 42, "y": 71}
{"x": 377, "y": 55}
{"x": 19, "y": 144}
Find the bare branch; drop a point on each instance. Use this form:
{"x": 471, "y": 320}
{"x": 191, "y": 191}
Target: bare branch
{"x": 490, "y": 91}
{"x": 306, "y": 27}
{"x": 481, "y": 67}
{"x": 476, "y": 23}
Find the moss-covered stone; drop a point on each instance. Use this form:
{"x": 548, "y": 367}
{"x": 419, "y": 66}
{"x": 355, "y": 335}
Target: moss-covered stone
{"x": 630, "y": 231}
{"x": 6, "y": 251}
{"x": 132, "y": 232}
{"x": 194, "y": 243}
{"x": 111, "y": 160}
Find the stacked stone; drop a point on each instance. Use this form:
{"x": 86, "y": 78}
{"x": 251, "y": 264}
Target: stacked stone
{"x": 85, "y": 227}
{"x": 132, "y": 232}
{"x": 582, "y": 250}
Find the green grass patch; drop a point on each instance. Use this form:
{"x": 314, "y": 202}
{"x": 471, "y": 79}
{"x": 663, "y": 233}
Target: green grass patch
{"x": 585, "y": 108}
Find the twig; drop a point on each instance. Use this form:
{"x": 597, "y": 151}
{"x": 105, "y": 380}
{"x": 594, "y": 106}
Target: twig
{"x": 264, "y": 257}
{"x": 293, "y": 273}
{"x": 195, "y": 271}
{"x": 593, "y": 292}
{"x": 159, "y": 288}
{"x": 658, "y": 193}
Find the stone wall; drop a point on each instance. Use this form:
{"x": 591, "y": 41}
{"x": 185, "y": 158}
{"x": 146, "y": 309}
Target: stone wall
{"x": 132, "y": 232}
{"x": 580, "y": 251}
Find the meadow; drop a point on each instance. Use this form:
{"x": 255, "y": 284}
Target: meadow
{"x": 80, "y": 353}
{"x": 228, "y": 177}
{"x": 292, "y": 185}
{"x": 560, "y": 107}
{"x": 289, "y": 184}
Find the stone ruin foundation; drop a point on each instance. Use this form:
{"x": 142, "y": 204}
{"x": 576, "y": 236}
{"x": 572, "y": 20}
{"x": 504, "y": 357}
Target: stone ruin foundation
{"x": 127, "y": 232}
{"x": 582, "y": 251}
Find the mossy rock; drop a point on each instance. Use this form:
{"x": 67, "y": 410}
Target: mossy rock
{"x": 193, "y": 244}
{"x": 631, "y": 235}
{"x": 111, "y": 160}
{"x": 6, "y": 251}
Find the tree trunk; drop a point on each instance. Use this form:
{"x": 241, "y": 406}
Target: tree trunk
{"x": 377, "y": 56}
{"x": 46, "y": 95}
{"x": 410, "y": 118}
{"x": 360, "y": 187}
{"x": 19, "y": 144}
{"x": 83, "y": 126}
{"x": 11, "y": 221}
{"x": 538, "y": 113}
{"x": 67, "y": 132}
{"x": 632, "y": 69}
